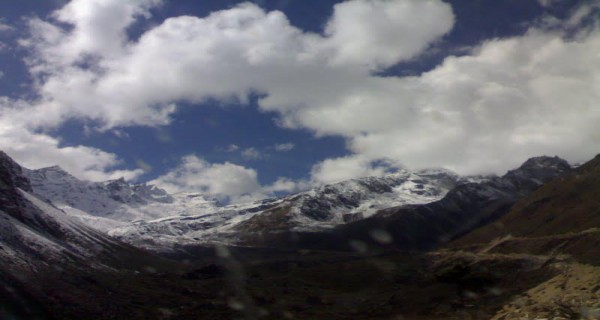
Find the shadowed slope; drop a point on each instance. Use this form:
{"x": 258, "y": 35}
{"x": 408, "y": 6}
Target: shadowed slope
{"x": 568, "y": 204}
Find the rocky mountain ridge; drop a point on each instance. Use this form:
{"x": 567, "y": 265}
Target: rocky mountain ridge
{"x": 143, "y": 214}
{"x": 407, "y": 209}
{"x": 565, "y": 207}
{"x": 318, "y": 209}
{"x": 34, "y": 233}
{"x": 427, "y": 225}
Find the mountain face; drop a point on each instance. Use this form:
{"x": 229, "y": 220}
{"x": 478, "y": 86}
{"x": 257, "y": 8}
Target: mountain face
{"x": 428, "y": 225}
{"x": 49, "y": 260}
{"x": 34, "y": 232}
{"x": 412, "y": 209}
{"x": 102, "y": 205}
{"x": 565, "y": 208}
{"x": 318, "y": 209}
{"x": 568, "y": 204}
{"x": 146, "y": 215}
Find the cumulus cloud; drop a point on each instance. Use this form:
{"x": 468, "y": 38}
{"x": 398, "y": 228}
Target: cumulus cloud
{"x": 35, "y": 150}
{"x": 85, "y": 67}
{"x": 92, "y": 71}
{"x": 98, "y": 30}
{"x": 345, "y": 168}
{"x": 284, "y": 147}
{"x": 486, "y": 111}
{"x": 285, "y": 185}
{"x": 222, "y": 180}
{"x": 225, "y": 181}
{"x": 378, "y": 34}
{"x": 511, "y": 99}
{"x": 68, "y": 64}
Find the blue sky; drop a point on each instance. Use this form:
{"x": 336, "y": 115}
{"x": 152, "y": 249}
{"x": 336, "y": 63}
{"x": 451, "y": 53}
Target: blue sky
{"x": 247, "y": 99}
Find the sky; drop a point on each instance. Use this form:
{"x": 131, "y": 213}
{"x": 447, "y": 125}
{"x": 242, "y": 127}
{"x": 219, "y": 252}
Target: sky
{"x": 244, "y": 100}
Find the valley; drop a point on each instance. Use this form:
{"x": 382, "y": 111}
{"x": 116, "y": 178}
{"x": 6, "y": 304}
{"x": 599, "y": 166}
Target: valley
{"x": 480, "y": 250}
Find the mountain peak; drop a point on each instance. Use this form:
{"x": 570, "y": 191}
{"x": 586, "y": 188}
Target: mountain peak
{"x": 55, "y": 168}
{"x": 545, "y": 162}
{"x": 56, "y": 171}
{"x": 591, "y": 165}
{"x": 114, "y": 182}
{"x": 11, "y": 173}
{"x": 539, "y": 168}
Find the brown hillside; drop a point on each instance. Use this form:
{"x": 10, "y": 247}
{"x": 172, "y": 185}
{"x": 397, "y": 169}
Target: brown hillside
{"x": 568, "y": 204}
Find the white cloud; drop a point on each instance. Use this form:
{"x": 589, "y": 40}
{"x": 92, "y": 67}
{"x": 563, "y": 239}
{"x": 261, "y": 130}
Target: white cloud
{"x": 548, "y": 3}
{"x": 226, "y": 181}
{"x": 251, "y": 154}
{"x": 284, "y": 147}
{"x": 69, "y": 63}
{"x": 378, "y": 34}
{"x": 581, "y": 13}
{"x": 223, "y": 180}
{"x": 121, "y": 134}
{"x": 232, "y": 148}
{"x": 98, "y": 30}
{"x": 36, "y": 150}
{"x": 91, "y": 71}
{"x": 5, "y": 27}
{"x": 286, "y": 185}
{"x": 345, "y": 168}
{"x": 511, "y": 99}
{"x": 485, "y": 111}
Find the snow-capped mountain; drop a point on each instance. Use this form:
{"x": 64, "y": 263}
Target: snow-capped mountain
{"x": 34, "y": 233}
{"x": 108, "y": 205}
{"x": 145, "y": 214}
{"x": 317, "y": 209}
{"x": 424, "y": 226}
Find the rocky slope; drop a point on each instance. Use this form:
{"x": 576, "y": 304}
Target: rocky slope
{"x": 399, "y": 209}
{"x": 569, "y": 204}
{"x": 558, "y": 222}
{"x": 102, "y": 205}
{"x": 33, "y": 230}
{"x": 315, "y": 210}
{"x": 146, "y": 215}
{"x": 38, "y": 240}
{"x": 426, "y": 226}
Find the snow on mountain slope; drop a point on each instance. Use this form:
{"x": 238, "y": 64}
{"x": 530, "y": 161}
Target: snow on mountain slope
{"x": 111, "y": 204}
{"x": 360, "y": 198}
{"x": 417, "y": 226}
{"x": 146, "y": 215}
{"x": 317, "y": 209}
{"x": 33, "y": 232}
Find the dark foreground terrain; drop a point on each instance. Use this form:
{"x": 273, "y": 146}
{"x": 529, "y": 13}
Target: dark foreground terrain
{"x": 527, "y": 255}
{"x": 261, "y": 284}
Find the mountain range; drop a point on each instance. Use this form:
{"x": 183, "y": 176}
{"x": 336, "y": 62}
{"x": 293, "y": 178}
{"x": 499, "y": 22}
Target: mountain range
{"x": 145, "y": 215}
{"x": 425, "y": 245}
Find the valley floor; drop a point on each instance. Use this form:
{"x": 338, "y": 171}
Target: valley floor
{"x": 241, "y": 283}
